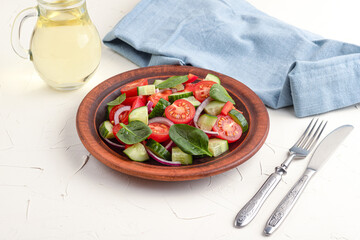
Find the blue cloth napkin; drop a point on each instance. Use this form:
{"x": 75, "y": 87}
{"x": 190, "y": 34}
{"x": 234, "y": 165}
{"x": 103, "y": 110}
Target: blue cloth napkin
{"x": 282, "y": 64}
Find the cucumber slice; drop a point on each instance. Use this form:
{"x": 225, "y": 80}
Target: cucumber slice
{"x": 239, "y": 119}
{"x": 179, "y": 156}
{"x": 193, "y": 101}
{"x": 159, "y": 108}
{"x": 206, "y": 122}
{"x": 146, "y": 90}
{"x": 158, "y": 149}
{"x": 175, "y": 96}
{"x": 158, "y": 81}
{"x": 137, "y": 152}
{"x": 106, "y": 130}
{"x": 214, "y": 108}
{"x": 212, "y": 77}
{"x": 140, "y": 113}
{"x": 218, "y": 146}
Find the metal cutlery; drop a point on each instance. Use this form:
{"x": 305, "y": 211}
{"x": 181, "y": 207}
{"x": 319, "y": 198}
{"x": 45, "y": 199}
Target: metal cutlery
{"x": 321, "y": 154}
{"x": 300, "y": 150}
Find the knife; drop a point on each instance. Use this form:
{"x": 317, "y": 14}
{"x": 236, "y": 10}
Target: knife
{"x": 322, "y": 153}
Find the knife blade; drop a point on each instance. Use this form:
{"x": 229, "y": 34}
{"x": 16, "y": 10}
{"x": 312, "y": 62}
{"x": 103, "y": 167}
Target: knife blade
{"x": 321, "y": 154}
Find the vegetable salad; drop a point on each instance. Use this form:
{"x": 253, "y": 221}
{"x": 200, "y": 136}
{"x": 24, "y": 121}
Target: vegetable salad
{"x": 173, "y": 120}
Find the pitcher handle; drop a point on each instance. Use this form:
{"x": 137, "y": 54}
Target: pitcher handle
{"x": 16, "y": 31}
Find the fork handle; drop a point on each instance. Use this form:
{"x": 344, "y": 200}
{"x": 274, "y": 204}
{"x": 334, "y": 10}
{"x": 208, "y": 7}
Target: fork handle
{"x": 288, "y": 202}
{"x": 252, "y": 207}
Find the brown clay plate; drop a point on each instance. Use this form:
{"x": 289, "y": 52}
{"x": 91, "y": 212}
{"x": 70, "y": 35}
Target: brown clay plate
{"x": 92, "y": 112}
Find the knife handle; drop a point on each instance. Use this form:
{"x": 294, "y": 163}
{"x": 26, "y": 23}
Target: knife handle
{"x": 288, "y": 202}
{"x": 252, "y": 207}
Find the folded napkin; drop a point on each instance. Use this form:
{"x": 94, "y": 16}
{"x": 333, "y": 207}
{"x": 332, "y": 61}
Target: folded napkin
{"x": 282, "y": 64}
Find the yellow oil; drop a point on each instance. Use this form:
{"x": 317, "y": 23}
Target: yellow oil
{"x": 65, "y": 47}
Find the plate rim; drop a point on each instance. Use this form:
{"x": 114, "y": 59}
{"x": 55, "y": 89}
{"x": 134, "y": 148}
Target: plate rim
{"x": 102, "y": 152}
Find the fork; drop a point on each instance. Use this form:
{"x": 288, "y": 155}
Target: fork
{"x": 300, "y": 150}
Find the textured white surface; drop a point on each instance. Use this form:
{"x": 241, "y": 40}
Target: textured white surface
{"x": 47, "y": 193}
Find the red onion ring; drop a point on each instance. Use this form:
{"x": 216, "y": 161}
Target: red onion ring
{"x": 118, "y": 112}
{"x": 169, "y": 145}
{"x": 161, "y": 160}
{"x": 113, "y": 144}
{"x": 210, "y": 132}
{"x": 150, "y": 105}
{"x": 197, "y": 115}
{"x": 161, "y": 120}
{"x": 174, "y": 90}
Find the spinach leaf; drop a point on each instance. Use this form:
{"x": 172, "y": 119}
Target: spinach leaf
{"x": 219, "y": 93}
{"x": 134, "y": 132}
{"x": 190, "y": 139}
{"x": 117, "y": 101}
{"x": 172, "y": 81}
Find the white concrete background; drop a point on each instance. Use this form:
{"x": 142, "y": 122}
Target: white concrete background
{"x": 47, "y": 193}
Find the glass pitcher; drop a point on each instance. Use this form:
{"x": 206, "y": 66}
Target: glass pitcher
{"x": 65, "y": 46}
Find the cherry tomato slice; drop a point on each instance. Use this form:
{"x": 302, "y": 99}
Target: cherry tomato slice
{"x": 202, "y": 89}
{"x": 130, "y": 100}
{"x": 156, "y": 96}
{"x": 227, "y": 128}
{"x": 137, "y": 103}
{"x": 189, "y": 87}
{"x": 181, "y": 111}
{"x": 160, "y": 132}
{"x": 227, "y": 108}
{"x": 116, "y": 128}
{"x": 191, "y": 78}
{"x": 130, "y": 89}
{"x": 122, "y": 116}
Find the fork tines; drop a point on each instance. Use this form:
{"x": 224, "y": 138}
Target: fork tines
{"x": 309, "y": 139}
